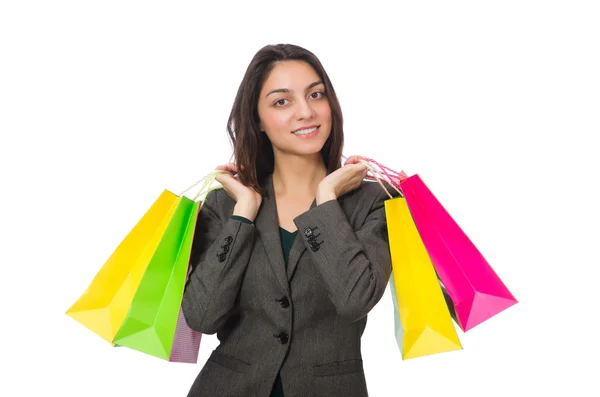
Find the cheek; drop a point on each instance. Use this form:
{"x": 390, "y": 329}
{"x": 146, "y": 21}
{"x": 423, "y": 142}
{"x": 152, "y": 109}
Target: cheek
{"x": 324, "y": 109}
{"x": 276, "y": 121}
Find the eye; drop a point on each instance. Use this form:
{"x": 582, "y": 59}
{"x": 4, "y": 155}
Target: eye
{"x": 281, "y": 102}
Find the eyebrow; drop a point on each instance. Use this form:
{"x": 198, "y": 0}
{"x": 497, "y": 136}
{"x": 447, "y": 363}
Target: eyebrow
{"x": 286, "y": 90}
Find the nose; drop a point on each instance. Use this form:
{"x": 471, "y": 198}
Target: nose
{"x": 304, "y": 110}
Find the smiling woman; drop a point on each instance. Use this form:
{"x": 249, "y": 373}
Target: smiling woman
{"x": 286, "y": 264}
{"x": 285, "y": 89}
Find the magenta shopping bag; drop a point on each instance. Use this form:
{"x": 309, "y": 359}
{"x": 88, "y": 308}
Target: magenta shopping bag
{"x": 476, "y": 291}
{"x": 186, "y": 342}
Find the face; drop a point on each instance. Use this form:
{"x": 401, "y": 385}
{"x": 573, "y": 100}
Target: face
{"x": 292, "y": 103}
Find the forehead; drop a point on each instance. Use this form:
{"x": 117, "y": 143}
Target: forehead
{"x": 293, "y": 75}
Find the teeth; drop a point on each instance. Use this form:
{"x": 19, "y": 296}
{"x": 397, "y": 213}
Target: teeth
{"x": 304, "y": 132}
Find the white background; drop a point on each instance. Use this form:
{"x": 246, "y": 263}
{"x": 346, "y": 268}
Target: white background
{"x": 103, "y": 104}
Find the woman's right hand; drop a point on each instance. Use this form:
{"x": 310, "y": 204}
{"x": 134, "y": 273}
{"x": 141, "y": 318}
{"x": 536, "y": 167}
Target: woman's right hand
{"x": 247, "y": 199}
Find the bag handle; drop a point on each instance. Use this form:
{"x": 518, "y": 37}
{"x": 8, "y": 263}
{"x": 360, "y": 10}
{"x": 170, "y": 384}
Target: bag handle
{"x": 378, "y": 176}
{"x": 396, "y": 177}
{"x": 380, "y": 173}
{"x": 206, "y": 187}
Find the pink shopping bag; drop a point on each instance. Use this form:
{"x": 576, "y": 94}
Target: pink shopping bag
{"x": 475, "y": 289}
{"x": 186, "y": 341}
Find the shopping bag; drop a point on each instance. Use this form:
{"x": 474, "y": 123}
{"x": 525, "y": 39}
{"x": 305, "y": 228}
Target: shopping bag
{"x": 150, "y": 324}
{"x": 148, "y": 273}
{"x": 476, "y": 291}
{"x": 186, "y": 342}
{"x": 105, "y": 303}
{"x": 474, "y": 287}
{"x": 423, "y": 325}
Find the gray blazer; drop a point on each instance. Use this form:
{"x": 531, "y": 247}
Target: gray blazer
{"x": 306, "y": 322}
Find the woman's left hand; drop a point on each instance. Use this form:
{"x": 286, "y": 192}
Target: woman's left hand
{"x": 342, "y": 180}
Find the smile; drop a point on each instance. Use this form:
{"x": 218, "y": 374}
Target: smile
{"x": 307, "y": 132}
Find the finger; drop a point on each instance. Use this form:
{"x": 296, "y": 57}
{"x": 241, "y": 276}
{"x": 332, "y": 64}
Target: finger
{"x": 359, "y": 170}
{"x": 228, "y": 176}
{"x": 359, "y": 166}
{"x": 229, "y": 167}
{"x": 222, "y": 178}
{"x": 353, "y": 159}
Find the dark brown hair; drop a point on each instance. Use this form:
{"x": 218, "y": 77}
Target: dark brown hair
{"x": 252, "y": 149}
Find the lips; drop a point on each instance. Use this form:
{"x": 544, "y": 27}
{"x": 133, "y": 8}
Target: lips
{"x": 306, "y": 128}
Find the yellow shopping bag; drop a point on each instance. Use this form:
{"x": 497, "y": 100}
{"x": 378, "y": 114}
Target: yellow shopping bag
{"x": 423, "y": 322}
{"x": 104, "y": 305}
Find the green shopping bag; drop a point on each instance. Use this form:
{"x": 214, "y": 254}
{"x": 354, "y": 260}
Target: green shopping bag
{"x": 150, "y": 324}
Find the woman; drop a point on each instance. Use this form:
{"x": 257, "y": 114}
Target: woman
{"x": 290, "y": 256}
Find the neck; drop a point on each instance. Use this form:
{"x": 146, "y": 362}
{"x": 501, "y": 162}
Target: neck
{"x": 298, "y": 175}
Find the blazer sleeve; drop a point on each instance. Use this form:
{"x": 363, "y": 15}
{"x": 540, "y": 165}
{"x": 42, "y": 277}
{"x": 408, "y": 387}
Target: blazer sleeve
{"x": 355, "y": 265}
{"x": 220, "y": 254}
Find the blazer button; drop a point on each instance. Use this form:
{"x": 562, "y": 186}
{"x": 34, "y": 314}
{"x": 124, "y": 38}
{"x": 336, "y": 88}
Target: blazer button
{"x": 314, "y": 245}
{"x": 284, "y": 302}
{"x": 308, "y": 232}
{"x": 283, "y": 338}
{"x": 229, "y": 239}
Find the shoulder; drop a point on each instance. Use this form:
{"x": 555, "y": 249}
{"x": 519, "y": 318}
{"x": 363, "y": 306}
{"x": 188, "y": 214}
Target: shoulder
{"x": 369, "y": 194}
{"x": 219, "y": 203}
{"x": 366, "y": 201}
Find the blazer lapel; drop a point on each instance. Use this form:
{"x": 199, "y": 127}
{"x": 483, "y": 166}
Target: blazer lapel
{"x": 267, "y": 225}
